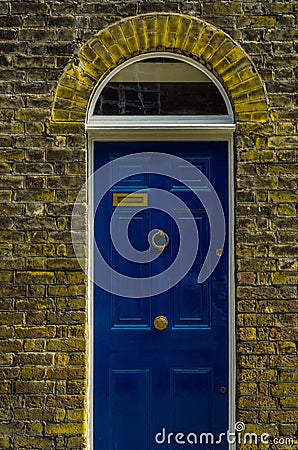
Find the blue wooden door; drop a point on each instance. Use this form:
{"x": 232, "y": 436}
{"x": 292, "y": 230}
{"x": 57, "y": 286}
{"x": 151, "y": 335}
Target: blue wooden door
{"x": 149, "y": 383}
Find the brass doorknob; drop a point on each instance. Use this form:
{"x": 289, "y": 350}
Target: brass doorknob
{"x": 160, "y": 236}
{"x": 160, "y": 323}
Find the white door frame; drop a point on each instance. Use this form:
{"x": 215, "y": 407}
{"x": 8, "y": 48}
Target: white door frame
{"x": 162, "y": 128}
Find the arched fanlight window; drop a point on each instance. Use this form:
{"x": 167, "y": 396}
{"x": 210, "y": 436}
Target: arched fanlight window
{"x": 160, "y": 87}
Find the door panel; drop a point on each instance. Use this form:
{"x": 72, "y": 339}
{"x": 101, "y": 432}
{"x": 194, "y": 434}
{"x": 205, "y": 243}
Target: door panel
{"x": 146, "y": 380}
{"x": 129, "y": 407}
{"x": 188, "y": 298}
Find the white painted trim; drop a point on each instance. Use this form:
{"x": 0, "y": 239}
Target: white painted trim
{"x": 104, "y": 123}
{"x": 161, "y": 132}
{"x": 208, "y": 122}
{"x": 155, "y": 136}
{"x": 232, "y": 305}
{"x": 90, "y": 389}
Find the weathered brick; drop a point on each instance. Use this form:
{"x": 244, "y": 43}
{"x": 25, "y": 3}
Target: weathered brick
{"x": 33, "y": 373}
{"x": 257, "y": 402}
{"x": 284, "y": 278}
{"x": 76, "y": 387}
{"x": 34, "y": 387}
{"x": 288, "y": 375}
{"x": 35, "y": 249}
{"x": 11, "y": 236}
{"x": 246, "y": 333}
{"x": 286, "y": 210}
{"x": 67, "y": 317}
{"x": 31, "y": 195}
{"x": 283, "y": 197}
{"x": 283, "y": 361}
{"x": 287, "y": 347}
{"x": 35, "y": 304}
{"x": 45, "y": 277}
{"x": 284, "y": 416}
{"x": 66, "y": 401}
{"x": 5, "y": 442}
{"x": 35, "y": 332}
{"x": 38, "y": 442}
{"x": 69, "y": 291}
{"x": 226, "y": 8}
{"x": 34, "y": 359}
{"x": 257, "y": 264}
{"x": 66, "y": 345}
{"x": 63, "y": 263}
{"x": 283, "y": 141}
{"x": 34, "y": 345}
{"x": 66, "y": 428}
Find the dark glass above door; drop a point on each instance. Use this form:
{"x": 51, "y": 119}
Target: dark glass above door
{"x": 160, "y": 86}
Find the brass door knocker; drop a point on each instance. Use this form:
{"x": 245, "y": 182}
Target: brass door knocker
{"x": 156, "y": 237}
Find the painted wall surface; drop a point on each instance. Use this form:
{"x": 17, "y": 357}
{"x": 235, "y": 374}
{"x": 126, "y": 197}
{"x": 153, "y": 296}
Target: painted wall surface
{"x": 53, "y": 54}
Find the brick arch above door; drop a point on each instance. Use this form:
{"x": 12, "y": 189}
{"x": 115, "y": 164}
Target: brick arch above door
{"x": 175, "y": 33}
